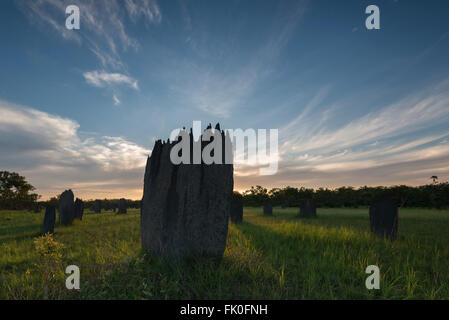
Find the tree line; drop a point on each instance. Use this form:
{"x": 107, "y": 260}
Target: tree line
{"x": 106, "y": 204}
{"x": 434, "y": 195}
{"x": 17, "y": 194}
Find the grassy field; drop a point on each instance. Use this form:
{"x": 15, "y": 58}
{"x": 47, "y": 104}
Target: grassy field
{"x": 279, "y": 257}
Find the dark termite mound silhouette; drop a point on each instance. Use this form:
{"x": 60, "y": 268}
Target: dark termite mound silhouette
{"x": 66, "y": 208}
{"x": 49, "y": 220}
{"x": 79, "y": 209}
{"x": 97, "y": 206}
{"x": 37, "y": 208}
{"x": 307, "y": 209}
{"x": 186, "y": 207}
{"x": 236, "y": 211}
{"x": 237, "y": 208}
{"x": 268, "y": 209}
{"x": 122, "y": 206}
{"x": 383, "y": 216}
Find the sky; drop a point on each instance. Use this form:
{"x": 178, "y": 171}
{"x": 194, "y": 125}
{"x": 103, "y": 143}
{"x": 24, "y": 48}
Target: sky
{"x": 82, "y": 109}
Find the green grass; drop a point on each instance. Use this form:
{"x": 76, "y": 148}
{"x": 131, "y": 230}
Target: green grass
{"x": 279, "y": 257}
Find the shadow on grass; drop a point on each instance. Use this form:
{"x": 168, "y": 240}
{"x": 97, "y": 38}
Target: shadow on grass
{"x": 19, "y": 265}
{"x": 314, "y": 266}
{"x": 146, "y": 276}
{"x": 21, "y": 237}
{"x": 259, "y": 263}
{"x": 359, "y": 221}
{"x": 20, "y": 229}
{"x": 35, "y": 230}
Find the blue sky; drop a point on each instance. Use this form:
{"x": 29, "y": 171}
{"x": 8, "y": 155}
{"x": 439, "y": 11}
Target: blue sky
{"x": 81, "y": 109}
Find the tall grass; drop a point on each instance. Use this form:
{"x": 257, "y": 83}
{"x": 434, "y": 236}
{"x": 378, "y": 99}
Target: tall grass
{"x": 279, "y": 257}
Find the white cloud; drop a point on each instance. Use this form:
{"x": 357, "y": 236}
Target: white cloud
{"x": 116, "y": 100}
{"x": 49, "y": 151}
{"x": 47, "y": 131}
{"x": 103, "y": 79}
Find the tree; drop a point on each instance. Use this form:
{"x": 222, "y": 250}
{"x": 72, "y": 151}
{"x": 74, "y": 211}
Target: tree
{"x": 54, "y": 201}
{"x": 15, "y": 191}
{"x": 256, "y": 196}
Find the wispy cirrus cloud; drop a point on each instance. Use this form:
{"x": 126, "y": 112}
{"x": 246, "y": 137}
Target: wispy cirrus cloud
{"x": 116, "y": 100}
{"x": 418, "y": 111}
{"x": 220, "y": 91}
{"x": 103, "y": 31}
{"x": 404, "y": 142}
{"x": 46, "y": 12}
{"x": 103, "y": 28}
{"x": 103, "y": 79}
{"x": 148, "y": 9}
